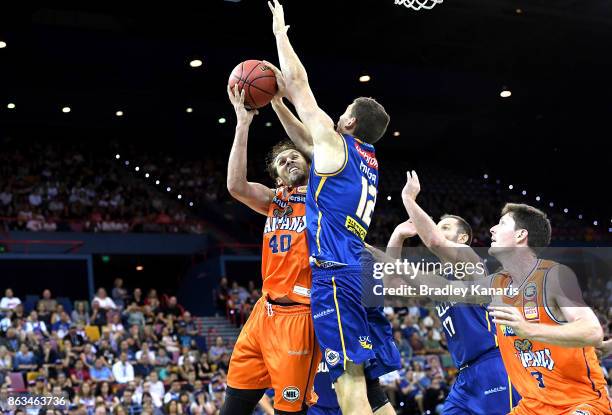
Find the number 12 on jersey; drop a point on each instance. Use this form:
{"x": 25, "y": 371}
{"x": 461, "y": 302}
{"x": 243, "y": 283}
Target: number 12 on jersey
{"x": 367, "y": 201}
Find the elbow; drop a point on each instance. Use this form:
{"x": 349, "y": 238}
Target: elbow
{"x": 233, "y": 187}
{"x": 595, "y": 336}
{"x": 296, "y": 80}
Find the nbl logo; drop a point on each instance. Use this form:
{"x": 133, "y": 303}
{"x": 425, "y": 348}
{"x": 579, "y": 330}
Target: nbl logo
{"x": 291, "y": 394}
{"x": 332, "y": 357}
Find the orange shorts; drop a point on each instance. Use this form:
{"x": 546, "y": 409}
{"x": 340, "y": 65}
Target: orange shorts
{"x": 598, "y": 408}
{"x": 277, "y": 349}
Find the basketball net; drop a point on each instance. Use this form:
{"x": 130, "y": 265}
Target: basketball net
{"x": 419, "y": 4}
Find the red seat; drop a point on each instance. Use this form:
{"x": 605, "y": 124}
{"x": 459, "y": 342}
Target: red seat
{"x": 17, "y": 383}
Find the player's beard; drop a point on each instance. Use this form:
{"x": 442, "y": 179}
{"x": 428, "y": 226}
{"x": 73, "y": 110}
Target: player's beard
{"x": 297, "y": 179}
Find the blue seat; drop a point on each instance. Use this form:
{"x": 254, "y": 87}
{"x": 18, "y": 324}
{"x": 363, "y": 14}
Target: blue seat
{"x": 66, "y": 303}
{"x": 30, "y": 303}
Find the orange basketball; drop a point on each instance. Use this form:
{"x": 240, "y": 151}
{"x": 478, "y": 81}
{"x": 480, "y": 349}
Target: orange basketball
{"x": 257, "y": 79}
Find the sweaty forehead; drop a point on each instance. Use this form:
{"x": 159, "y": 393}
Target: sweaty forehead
{"x": 285, "y": 154}
{"x": 448, "y": 222}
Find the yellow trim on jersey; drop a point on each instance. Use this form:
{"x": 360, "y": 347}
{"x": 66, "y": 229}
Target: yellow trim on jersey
{"x": 510, "y": 389}
{"x": 319, "y": 231}
{"x": 339, "y": 324}
{"x": 488, "y": 321}
{"x": 319, "y": 188}
{"x": 343, "y": 165}
{"x": 321, "y": 183}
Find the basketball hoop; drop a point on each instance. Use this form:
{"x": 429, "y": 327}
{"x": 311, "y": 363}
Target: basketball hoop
{"x": 419, "y": 4}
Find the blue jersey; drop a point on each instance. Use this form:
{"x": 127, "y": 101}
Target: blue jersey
{"x": 339, "y": 206}
{"x": 470, "y": 333}
{"x": 324, "y": 388}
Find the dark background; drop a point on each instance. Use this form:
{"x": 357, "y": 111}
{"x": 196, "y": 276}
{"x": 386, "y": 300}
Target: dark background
{"x": 439, "y": 73}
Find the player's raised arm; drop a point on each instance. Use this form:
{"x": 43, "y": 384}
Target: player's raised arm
{"x": 329, "y": 151}
{"x": 430, "y": 234}
{"x": 582, "y": 328}
{"x": 254, "y": 195}
{"x": 295, "y": 129}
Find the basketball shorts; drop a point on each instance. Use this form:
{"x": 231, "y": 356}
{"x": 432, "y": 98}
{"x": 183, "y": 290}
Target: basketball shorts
{"x": 348, "y": 331}
{"x": 277, "y": 349}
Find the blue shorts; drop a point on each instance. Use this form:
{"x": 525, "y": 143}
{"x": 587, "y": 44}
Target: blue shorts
{"x": 482, "y": 389}
{"x": 346, "y": 329}
{"x": 320, "y": 410}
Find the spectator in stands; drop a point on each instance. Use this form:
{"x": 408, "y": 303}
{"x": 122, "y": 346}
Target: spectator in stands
{"x": 47, "y": 300}
{"x": 56, "y": 315}
{"x": 172, "y": 308}
{"x": 49, "y": 359}
{"x": 19, "y": 313}
{"x": 25, "y": 360}
{"x": 222, "y": 296}
{"x": 145, "y": 351}
{"x": 103, "y": 390}
{"x": 62, "y": 326}
{"x": 85, "y": 396}
{"x": 100, "y": 372}
{"x": 169, "y": 342}
{"x": 239, "y": 292}
{"x": 114, "y": 325}
{"x": 202, "y": 405}
{"x": 432, "y": 346}
{"x": 143, "y": 367}
{"x": 36, "y": 327}
{"x": 79, "y": 314}
{"x": 156, "y": 389}
{"x": 131, "y": 407}
{"x": 88, "y": 355}
{"x": 8, "y": 302}
{"x": 434, "y": 396}
{"x": 134, "y": 315}
{"x": 402, "y": 345}
{"x": 76, "y": 340}
{"x": 162, "y": 359}
{"x": 173, "y": 394}
{"x": 119, "y": 294}
{"x": 79, "y": 373}
{"x": 215, "y": 352}
{"x": 416, "y": 342}
{"x": 98, "y": 315}
{"x": 123, "y": 371}
{"x": 189, "y": 324}
{"x": 137, "y": 297}
{"x": 44, "y": 314}
{"x": 6, "y": 322}
{"x": 106, "y": 303}
{"x": 6, "y": 363}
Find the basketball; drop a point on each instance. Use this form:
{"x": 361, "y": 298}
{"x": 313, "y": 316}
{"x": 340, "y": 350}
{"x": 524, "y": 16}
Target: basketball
{"x": 259, "y": 81}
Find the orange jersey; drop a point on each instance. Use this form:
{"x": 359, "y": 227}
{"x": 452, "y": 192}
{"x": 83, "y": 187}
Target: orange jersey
{"x": 284, "y": 265}
{"x": 551, "y": 379}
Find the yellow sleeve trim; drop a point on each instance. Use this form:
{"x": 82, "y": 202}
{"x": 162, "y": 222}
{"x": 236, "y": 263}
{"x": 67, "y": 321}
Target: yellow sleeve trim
{"x": 343, "y": 165}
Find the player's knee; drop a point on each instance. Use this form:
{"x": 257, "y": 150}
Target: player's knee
{"x": 241, "y": 401}
{"x": 376, "y": 395}
{"x": 351, "y": 388}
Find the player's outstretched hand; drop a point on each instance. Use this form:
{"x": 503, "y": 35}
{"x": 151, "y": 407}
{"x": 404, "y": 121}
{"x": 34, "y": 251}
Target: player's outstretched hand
{"x": 280, "y": 83}
{"x": 406, "y": 229}
{"x": 243, "y": 116}
{"x": 412, "y": 187}
{"x": 278, "y": 18}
